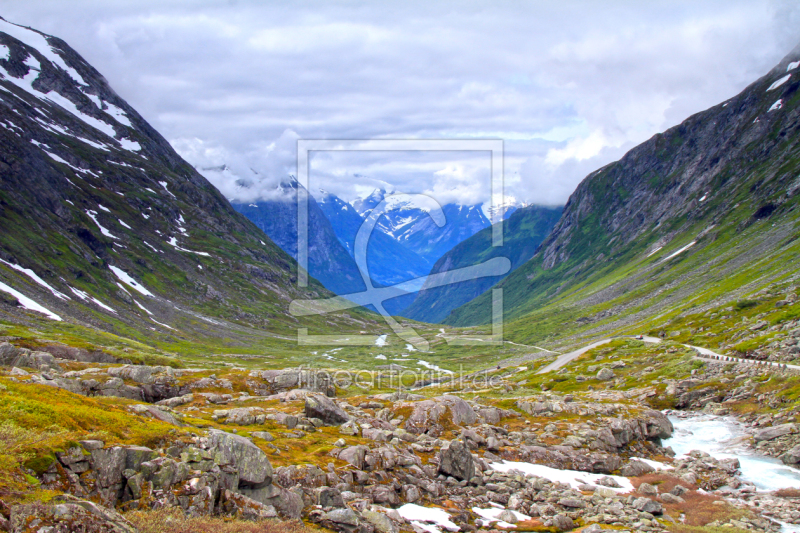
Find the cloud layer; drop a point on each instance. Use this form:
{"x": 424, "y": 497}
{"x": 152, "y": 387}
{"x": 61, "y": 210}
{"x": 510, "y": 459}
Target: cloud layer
{"x": 568, "y": 86}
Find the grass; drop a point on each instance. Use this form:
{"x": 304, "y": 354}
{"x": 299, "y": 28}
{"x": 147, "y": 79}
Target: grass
{"x": 38, "y": 420}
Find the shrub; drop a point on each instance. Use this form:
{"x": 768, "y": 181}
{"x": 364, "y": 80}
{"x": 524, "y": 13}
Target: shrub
{"x": 172, "y": 520}
{"x": 745, "y": 304}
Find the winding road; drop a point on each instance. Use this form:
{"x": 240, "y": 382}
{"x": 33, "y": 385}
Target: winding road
{"x": 703, "y": 353}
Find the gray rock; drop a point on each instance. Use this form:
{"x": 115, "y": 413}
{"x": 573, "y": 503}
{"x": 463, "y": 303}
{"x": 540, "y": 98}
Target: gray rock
{"x": 636, "y": 468}
{"x": 572, "y": 503}
{"x": 355, "y": 455}
{"x": 68, "y": 513}
{"x": 136, "y": 455}
{"x": 253, "y": 465}
{"x": 240, "y": 506}
{"x": 605, "y": 374}
{"x": 563, "y": 523}
{"x": 108, "y": 465}
{"x": 671, "y": 498}
{"x": 456, "y": 460}
{"x": 381, "y": 522}
{"x": 792, "y": 457}
{"x": 774, "y": 432}
{"x": 647, "y": 489}
{"x": 322, "y": 407}
{"x": 646, "y": 505}
{"x": 508, "y": 517}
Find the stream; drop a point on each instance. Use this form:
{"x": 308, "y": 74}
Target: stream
{"x": 724, "y": 437}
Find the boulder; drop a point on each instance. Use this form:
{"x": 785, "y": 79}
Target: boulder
{"x": 67, "y": 513}
{"x": 254, "y": 468}
{"x": 430, "y": 416}
{"x": 605, "y": 374}
{"x": 240, "y": 506}
{"x": 322, "y": 407}
{"x": 355, "y": 455}
{"x": 646, "y": 505}
{"x": 792, "y": 457}
{"x": 773, "y": 432}
{"x": 381, "y": 522}
{"x": 636, "y": 468}
{"x": 456, "y": 460}
{"x": 286, "y": 502}
{"x": 563, "y": 523}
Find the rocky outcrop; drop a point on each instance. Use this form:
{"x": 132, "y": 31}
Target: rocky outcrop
{"x": 323, "y": 408}
{"x": 65, "y": 514}
{"x": 456, "y": 461}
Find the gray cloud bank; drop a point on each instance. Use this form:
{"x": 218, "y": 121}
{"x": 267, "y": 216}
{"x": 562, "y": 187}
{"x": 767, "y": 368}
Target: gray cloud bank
{"x": 569, "y": 86}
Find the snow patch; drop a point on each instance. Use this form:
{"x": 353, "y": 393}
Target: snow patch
{"x": 164, "y": 184}
{"x": 410, "y": 348}
{"x": 27, "y": 303}
{"x": 143, "y": 308}
{"x": 380, "y": 356}
{"x": 776, "y": 105}
{"x": 174, "y": 243}
{"x": 104, "y": 231}
{"x": 779, "y": 83}
{"x": 89, "y": 298}
{"x": 491, "y": 515}
{"x": 5, "y": 52}
{"x": 102, "y": 208}
{"x": 31, "y": 274}
{"x": 793, "y": 65}
{"x": 574, "y": 478}
{"x": 67, "y": 105}
{"x": 123, "y": 224}
{"x": 433, "y": 367}
{"x": 129, "y": 281}
{"x": 427, "y": 518}
{"x": 655, "y": 464}
{"x": 679, "y": 251}
{"x": 152, "y": 247}
{"x": 25, "y": 83}
{"x": 39, "y": 42}
{"x": 118, "y": 114}
{"x": 162, "y": 325}
{"x": 131, "y": 146}
{"x": 381, "y": 341}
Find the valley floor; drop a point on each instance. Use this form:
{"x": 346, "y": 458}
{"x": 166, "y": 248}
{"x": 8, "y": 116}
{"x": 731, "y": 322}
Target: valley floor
{"x": 559, "y": 442}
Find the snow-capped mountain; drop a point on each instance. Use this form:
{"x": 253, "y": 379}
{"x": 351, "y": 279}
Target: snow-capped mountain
{"x": 275, "y": 213}
{"x": 104, "y": 225}
{"x": 410, "y": 224}
{"x": 389, "y": 262}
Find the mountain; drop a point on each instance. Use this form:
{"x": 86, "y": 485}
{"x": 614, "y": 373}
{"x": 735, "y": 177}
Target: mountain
{"x": 106, "y": 229}
{"x": 389, "y": 262}
{"x": 328, "y": 261}
{"x": 523, "y": 231}
{"x": 697, "y": 216}
{"x": 409, "y": 223}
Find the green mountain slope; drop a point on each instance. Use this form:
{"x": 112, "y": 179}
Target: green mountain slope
{"x": 523, "y": 231}
{"x": 108, "y": 230}
{"x": 703, "y": 213}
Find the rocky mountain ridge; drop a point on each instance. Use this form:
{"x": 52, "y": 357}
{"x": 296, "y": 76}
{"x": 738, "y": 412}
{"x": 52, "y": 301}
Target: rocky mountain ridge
{"x": 721, "y": 174}
{"x": 103, "y": 222}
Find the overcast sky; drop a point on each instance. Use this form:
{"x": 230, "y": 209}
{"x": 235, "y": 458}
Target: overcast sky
{"x": 569, "y": 86}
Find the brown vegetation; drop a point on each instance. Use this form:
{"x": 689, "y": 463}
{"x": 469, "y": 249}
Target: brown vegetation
{"x": 172, "y": 520}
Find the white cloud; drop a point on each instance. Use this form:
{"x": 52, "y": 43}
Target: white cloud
{"x": 569, "y": 88}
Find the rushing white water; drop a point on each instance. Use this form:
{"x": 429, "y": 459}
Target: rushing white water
{"x": 725, "y": 438}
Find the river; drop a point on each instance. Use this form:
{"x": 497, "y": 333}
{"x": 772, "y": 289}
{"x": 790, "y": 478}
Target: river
{"x": 723, "y": 438}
